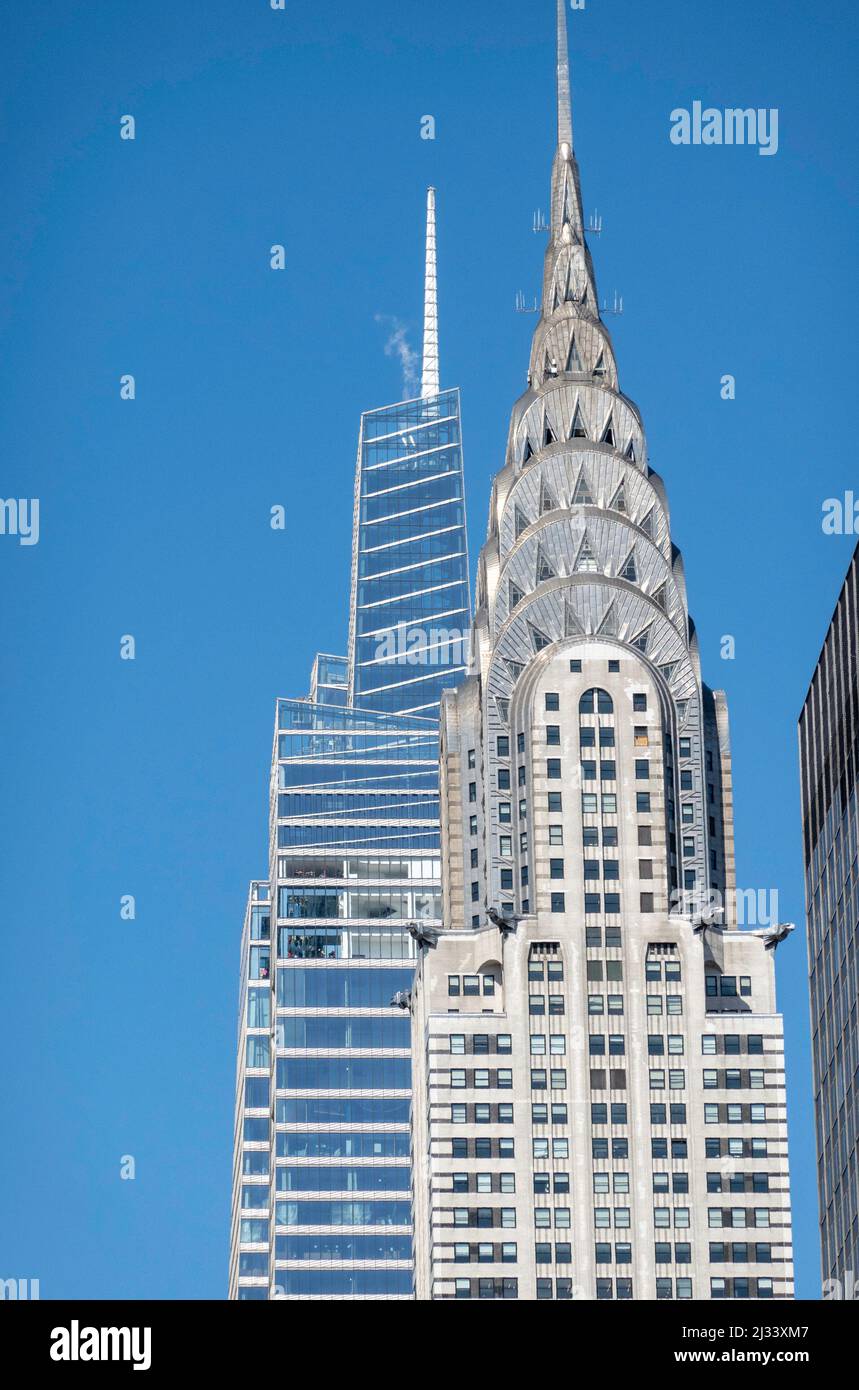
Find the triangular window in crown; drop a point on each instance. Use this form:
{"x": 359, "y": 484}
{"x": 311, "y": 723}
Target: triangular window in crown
{"x": 514, "y": 595}
{"x": 574, "y": 361}
{"x": 631, "y": 452}
{"x": 608, "y": 626}
{"x": 668, "y": 671}
{"x": 618, "y": 502}
{"x": 600, "y": 368}
{"x": 521, "y": 522}
{"x": 578, "y": 429}
{"x": 514, "y": 667}
{"x": 582, "y": 496}
{"x": 586, "y": 560}
{"x": 659, "y": 596}
{"x": 545, "y": 568}
{"x": 682, "y": 707}
{"x": 629, "y": 570}
{"x": 647, "y": 523}
{"x": 642, "y": 639}
{"x": 548, "y": 434}
{"x": 503, "y": 707}
{"x": 570, "y": 294}
{"x": 539, "y": 639}
{"x": 572, "y": 626}
{"x": 528, "y": 452}
{"x": 608, "y": 432}
{"x": 567, "y": 213}
{"x": 556, "y": 300}
{"x": 548, "y": 502}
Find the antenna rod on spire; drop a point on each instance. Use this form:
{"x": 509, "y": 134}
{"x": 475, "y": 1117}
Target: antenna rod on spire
{"x": 565, "y": 108}
{"x": 430, "y": 382}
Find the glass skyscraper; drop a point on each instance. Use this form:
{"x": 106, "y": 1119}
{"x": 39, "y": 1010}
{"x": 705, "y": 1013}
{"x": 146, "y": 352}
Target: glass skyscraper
{"x": 829, "y": 764}
{"x": 321, "y": 1191}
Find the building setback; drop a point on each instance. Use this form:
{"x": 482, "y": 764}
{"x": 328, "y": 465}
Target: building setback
{"x": 321, "y": 1204}
{"x": 829, "y": 766}
{"x": 599, "y": 1102}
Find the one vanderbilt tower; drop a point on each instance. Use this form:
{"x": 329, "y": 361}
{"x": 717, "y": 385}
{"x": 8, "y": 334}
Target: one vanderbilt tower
{"x": 598, "y": 1060}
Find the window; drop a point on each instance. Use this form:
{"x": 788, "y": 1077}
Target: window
{"x": 552, "y": 701}
{"x": 558, "y": 899}
{"x": 598, "y": 701}
{"x": 642, "y": 801}
{"x": 639, "y": 702}
{"x": 556, "y": 835}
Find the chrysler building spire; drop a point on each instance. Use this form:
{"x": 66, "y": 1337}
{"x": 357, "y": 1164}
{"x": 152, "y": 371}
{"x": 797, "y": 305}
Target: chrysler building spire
{"x": 565, "y": 115}
{"x": 569, "y": 273}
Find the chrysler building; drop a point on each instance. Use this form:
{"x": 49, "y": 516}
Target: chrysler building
{"x": 599, "y": 1101}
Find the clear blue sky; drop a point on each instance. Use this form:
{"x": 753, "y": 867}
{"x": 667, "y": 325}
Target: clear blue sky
{"x": 302, "y": 127}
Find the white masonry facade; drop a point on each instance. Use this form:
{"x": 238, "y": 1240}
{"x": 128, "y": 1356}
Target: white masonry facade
{"x": 599, "y": 1090}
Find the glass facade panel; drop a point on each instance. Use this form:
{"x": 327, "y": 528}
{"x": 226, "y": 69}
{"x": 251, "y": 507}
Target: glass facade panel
{"x": 411, "y": 611}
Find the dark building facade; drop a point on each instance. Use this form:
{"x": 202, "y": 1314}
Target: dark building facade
{"x": 829, "y": 760}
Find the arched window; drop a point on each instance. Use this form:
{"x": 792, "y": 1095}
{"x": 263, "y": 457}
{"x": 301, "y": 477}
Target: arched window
{"x": 598, "y": 700}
